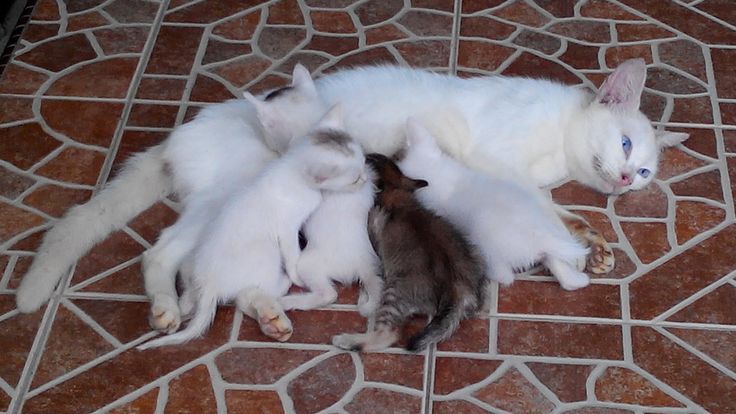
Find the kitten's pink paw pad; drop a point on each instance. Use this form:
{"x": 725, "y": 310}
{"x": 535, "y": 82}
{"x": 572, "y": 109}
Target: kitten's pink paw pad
{"x": 276, "y": 326}
{"x": 601, "y": 259}
{"x": 164, "y": 318}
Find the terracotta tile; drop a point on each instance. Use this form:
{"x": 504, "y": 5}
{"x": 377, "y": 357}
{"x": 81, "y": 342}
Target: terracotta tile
{"x": 482, "y": 55}
{"x": 707, "y": 185}
{"x": 719, "y": 8}
{"x": 558, "y": 8}
{"x": 70, "y": 344}
{"x": 652, "y": 105}
{"x": 714, "y": 307}
{"x": 423, "y": 23}
{"x": 76, "y": 6}
{"x": 621, "y": 385}
{"x": 277, "y": 42}
{"x": 16, "y": 79}
{"x": 452, "y": 374}
{"x": 686, "y": 20}
{"x": 538, "y": 41}
{"x": 46, "y": 10}
{"x": 693, "y": 110}
{"x": 243, "y": 401}
{"x": 150, "y": 223}
{"x": 718, "y": 345}
{"x": 685, "y": 55}
{"x": 728, "y": 111}
{"x": 336, "y": 46}
{"x": 150, "y": 115}
{"x": 665, "y": 80}
{"x": 514, "y": 393}
{"x": 236, "y": 365}
{"x": 126, "y": 321}
{"x": 127, "y": 280}
{"x": 576, "y": 194}
{"x": 649, "y": 240}
{"x": 453, "y": 407}
{"x": 132, "y": 11}
{"x": 634, "y": 32}
{"x": 374, "y": 400}
{"x": 22, "y": 264}
{"x": 729, "y": 141}
{"x": 218, "y": 51}
{"x": 12, "y": 184}
{"x": 650, "y": 201}
{"x": 376, "y": 55}
{"x": 624, "y": 266}
{"x": 285, "y": 12}
{"x": 5, "y": 400}
{"x": 74, "y": 165}
{"x": 207, "y": 89}
{"x": 385, "y": 33}
{"x": 471, "y": 336}
{"x": 693, "y": 218}
{"x": 472, "y": 6}
{"x": 680, "y": 277}
{"x": 205, "y": 12}
{"x": 425, "y": 53}
{"x": 534, "y": 66}
{"x": 181, "y": 398}
{"x": 85, "y": 21}
{"x": 239, "y": 28}
{"x": 676, "y": 367}
{"x": 330, "y": 4}
{"x": 146, "y": 403}
{"x": 55, "y": 200}
{"x": 441, "y": 5}
{"x": 116, "y": 249}
{"x": 332, "y": 21}
{"x": 482, "y": 26}
{"x": 37, "y": 32}
{"x": 618, "y": 54}
{"x": 559, "y": 339}
{"x": 673, "y": 162}
{"x": 163, "y": 89}
{"x": 722, "y": 59}
{"x": 701, "y": 140}
{"x": 565, "y": 380}
{"x": 60, "y": 53}
{"x": 406, "y": 370}
{"x": 174, "y": 50}
{"x": 598, "y": 410}
{"x": 132, "y": 142}
{"x": 192, "y": 110}
{"x": 122, "y": 39}
{"x": 311, "y": 327}
{"x": 589, "y": 31}
{"x": 91, "y": 389}
{"x": 311, "y": 61}
{"x": 580, "y": 56}
{"x": 375, "y": 11}
{"x": 548, "y": 298}
{"x": 15, "y": 221}
{"x": 25, "y": 145}
{"x": 7, "y": 302}
{"x": 15, "y": 109}
{"x": 322, "y": 385}
{"x": 87, "y": 122}
{"x": 242, "y": 71}
{"x": 732, "y": 175}
{"x": 521, "y": 12}
{"x": 603, "y": 9}
{"x": 19, "y": 332}
{"x": 600, "y": 222}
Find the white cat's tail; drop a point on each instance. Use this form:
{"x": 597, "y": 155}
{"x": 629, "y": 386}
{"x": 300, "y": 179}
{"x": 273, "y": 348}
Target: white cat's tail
{"x": 203, "y": 317}
{"x": 141, "y": 183}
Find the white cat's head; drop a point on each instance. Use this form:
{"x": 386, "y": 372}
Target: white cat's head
{"x": 290, "y": 111}
{"x": 333, "y": 161}
{"x": 612, "y": 146}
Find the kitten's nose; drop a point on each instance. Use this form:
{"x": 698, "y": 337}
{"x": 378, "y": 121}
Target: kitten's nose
{"x": 625, "y": 180}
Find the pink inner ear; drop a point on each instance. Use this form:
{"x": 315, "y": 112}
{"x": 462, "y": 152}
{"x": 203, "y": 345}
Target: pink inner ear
{"x": 622, "y": 89}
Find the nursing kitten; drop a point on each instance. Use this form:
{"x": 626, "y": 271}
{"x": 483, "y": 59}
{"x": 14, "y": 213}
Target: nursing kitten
{"x": 513, "y": 227}
{"x": 428, "y": 268}
{"x": 254, "y": 239}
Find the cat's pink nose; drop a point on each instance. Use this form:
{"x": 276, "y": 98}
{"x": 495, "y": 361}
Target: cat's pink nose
{"x": 625, "y": 180}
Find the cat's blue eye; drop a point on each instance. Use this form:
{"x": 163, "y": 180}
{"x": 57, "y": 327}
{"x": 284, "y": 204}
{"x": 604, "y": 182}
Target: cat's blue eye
{"x": 626, "y": 145}
{"x": 644, "y": 172}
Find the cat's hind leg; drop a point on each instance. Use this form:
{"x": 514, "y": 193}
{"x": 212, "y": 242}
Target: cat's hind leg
{"x": 315, "y": 277}
{"x": 188, "y": 298}
{"x": 600, "y": 259}
{"x": 381, "y": 338}
{"x": 569, "y": 277}
{"x": 267, "y": 311}
{"x": 370, "y": 293}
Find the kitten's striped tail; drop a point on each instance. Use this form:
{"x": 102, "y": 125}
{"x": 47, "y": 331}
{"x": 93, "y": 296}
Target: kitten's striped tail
{"x": 440, "y": 328}
{"x": 142, "y": 182}
{"x": 203, "y": 317}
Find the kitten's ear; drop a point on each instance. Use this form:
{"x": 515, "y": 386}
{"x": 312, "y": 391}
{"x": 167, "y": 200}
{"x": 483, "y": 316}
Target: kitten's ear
{"x": 412, "y": 184}
{"x": 266, "y": 116}
{"x": 622, "y": 89}
{"x": 332, "y": 119}
{"x": 669, "y": 139}
{"x": 301, "y": 79}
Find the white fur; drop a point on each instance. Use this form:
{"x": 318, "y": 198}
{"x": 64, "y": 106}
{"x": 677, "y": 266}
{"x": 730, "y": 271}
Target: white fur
{"x": 511, "y": 225}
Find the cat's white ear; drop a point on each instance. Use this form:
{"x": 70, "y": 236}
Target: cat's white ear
{"x": 332, "y": 119}
{"x": 301, "y": 79}
{"x": 265, "y": 113}
{"x": 622, "y": 89}
{"x": 669, "y": 139}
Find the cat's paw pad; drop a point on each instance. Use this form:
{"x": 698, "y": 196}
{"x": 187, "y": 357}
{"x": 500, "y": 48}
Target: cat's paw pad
{"x": 348, "y": 342}
{"x": 601, "y": 259}
{"x": 164, "y": 315}
{"x": 275, "y": 325}
{"x": 574, "y": 281}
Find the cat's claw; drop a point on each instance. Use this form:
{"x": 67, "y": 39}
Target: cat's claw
{"x": 601, "y": 259}
{"x": 275, "y": 325}
{"x": 164, "y": 315}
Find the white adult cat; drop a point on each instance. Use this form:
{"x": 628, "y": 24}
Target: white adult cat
{"x": 534, "y": 128}
{"x": 255, "y": 234}
{"x": 512, "y": 226}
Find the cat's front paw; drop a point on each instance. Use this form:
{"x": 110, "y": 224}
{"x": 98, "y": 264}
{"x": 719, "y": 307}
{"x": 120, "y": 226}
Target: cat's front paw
{"x": 600, "y": 259}
{"x": 164, "y": 315}
{"x": 574, "y": 281}
{"x": 275, "y": 324}
{"x": 348, "y": 342}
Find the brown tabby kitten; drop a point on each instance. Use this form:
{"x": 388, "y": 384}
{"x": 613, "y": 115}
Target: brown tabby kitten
{"x": 428, "y": 267}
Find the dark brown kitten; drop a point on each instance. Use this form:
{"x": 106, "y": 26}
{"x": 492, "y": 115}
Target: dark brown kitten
{"x": 428, "y": 267}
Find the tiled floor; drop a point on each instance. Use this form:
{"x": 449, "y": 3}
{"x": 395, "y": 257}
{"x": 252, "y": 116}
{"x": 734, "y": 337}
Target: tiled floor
{"x": 94, "y": 80}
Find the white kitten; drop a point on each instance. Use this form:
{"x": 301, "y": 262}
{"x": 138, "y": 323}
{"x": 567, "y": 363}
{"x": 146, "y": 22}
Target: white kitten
{"x": 256, "y": 231}
{"x": 511, "y": 225}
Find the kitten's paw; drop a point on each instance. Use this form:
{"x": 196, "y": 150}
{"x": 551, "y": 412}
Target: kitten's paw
{"x": 348, "y": 342}
{"x": 504, "y": 280}
{"x": 164, "y": 314}
{"x": 600, "y": 259}
{"x": 275, "y": 324}
{"x": 574, "y": 281}
{"x": 367, "y": 307}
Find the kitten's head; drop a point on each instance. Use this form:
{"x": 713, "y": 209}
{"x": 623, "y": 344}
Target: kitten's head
{"x": 333, "y": 160}
{"x": 290, "y": 111}
{"x": 388, "y": 176}
{"x": 614, "y": 148}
